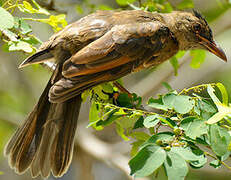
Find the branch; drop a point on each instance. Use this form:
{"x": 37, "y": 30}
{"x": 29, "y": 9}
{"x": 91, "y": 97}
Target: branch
{"x": 214, "y": 157}
{"x": 103, "y": 152}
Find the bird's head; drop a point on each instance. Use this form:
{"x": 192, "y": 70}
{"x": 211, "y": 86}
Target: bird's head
{"x": 193, "y": 32}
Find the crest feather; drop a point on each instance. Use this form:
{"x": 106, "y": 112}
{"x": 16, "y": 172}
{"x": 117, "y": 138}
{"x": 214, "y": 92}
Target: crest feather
{"x": 199, "y": 16}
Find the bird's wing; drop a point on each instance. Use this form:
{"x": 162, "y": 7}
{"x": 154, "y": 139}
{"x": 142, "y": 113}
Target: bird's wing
{"x": 120, "y": 45}
{"x": 115, "y": 54}
{"x": 70, "y": 40}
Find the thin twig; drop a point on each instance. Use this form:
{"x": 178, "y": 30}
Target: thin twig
{"x": 214, "y": 157}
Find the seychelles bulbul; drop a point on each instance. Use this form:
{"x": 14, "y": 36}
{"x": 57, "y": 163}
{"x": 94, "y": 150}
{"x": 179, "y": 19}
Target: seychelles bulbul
{"x": 98, "y": 48}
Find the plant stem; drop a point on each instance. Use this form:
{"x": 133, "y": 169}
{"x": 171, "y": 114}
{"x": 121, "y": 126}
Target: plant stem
{"x": 214, "y": 157}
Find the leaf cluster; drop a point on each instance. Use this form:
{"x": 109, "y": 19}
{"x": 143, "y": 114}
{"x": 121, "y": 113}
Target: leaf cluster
{"x": 16, "y": 31}
{"x": 178, "y": 131}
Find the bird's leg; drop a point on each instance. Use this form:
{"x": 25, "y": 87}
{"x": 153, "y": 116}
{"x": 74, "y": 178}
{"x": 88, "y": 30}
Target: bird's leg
{"x": 122, "y": 89}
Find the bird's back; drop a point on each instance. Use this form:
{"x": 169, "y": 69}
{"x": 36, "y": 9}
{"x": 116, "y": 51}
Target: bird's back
{"x": 82, "y": 32}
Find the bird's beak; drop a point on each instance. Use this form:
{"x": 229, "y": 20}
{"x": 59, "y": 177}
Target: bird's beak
{"x": 213, "y": 48}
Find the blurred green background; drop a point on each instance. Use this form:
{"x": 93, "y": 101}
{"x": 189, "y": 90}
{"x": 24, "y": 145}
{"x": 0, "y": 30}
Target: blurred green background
{"x": 20, "y": 89}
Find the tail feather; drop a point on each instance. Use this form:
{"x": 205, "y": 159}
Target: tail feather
{"x": 63, "y": 143}
{"x": 44, "y": 142}
{"x": 41, "y": 162}
{"x": 21, "y": 148}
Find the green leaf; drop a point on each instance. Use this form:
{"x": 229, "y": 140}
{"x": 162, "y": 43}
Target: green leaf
{"x": 32, "y": 40}
{"x": 180, "y": 54}
{"x": 213, "y": 96}
{"x": 110, "y": 119}
{"x": 124, "y": 100}
{"x": 193, "y": 127}
{"x": 139, "y": 123}
{"x": 201, "y": 161}
{"x": 26, "y": 7}
{"x": 107, "y": 87}
{"x": 175, "y": 166}
{"x": 215, "y": 163}
{"x": 219, "y": 139}
{"x": 175, "y": 64}
{"x": 99, "y": 91}
{"x": 125, "y": 2}
{"x": 169, "y": 122}
{"x": 128, "y": 122}
{"x": 142, "y": 136}
{"x": 148, "y": 159}
{"x": 185, "y": 4}
{"x": 227, "y": 154}
{"x": 191, "y": 156}
{"x": 16, "y": 22}
{"x": 135, "y": 147}
{"x": 196, "y": 109}
{"x": 40, "y": 9}
{"x": 223, "y": 93}
{"x": 120, "y": 112}
{"x": 169, "y": 100}
{"x": 6, "y": 20}
{"x": 94, "y": 116}
{"x": 206, "y": 106}
{"x": 20, "y": 46}
{"x": 223, "y": 112}
{"x": 25, "y": 28}
{"x": 157, "y": 103}
{"x": 180, "y": 103}
{"x": 12, "y": 36}
{"x": 186, "y": 153}
{"x": 198, "y": 57}
{"x": 167, "y": 86}
{"x": 183, "y": 104}
{"x": 57, "y": 22}
{"x": 151, "y": 121}
{"x": 137, "y": 100}
{"x": 120, "y": 131}
{"x": 162, "y": 136}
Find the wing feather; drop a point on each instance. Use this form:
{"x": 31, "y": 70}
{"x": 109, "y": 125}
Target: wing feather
{"x": 122, "y": 50}
{"x": 121, "y": 42}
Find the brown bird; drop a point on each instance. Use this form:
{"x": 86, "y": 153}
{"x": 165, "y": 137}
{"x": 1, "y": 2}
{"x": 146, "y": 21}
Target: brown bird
{"x": 98, "y": 48}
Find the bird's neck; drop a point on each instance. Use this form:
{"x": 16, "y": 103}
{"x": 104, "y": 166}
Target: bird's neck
{"x": 175, "y": 23}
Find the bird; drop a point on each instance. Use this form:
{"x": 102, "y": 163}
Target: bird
{"x": 101, "y": 47}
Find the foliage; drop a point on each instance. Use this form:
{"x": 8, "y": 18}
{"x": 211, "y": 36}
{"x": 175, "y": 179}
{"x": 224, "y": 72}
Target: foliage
{"x": 180, "y": 129}
{"x": 16, "y": 31}
{"x": 196, "y": 120}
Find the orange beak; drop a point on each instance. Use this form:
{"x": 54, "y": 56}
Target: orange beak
{"x": 213, "y": 48}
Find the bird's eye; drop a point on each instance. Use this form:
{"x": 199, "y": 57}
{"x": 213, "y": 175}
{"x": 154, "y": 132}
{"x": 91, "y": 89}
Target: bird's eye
{"x": 197, "y": 28}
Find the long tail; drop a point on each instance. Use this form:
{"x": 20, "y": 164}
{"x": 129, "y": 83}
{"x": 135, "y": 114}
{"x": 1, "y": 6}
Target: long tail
{"x": 44, "y": 143}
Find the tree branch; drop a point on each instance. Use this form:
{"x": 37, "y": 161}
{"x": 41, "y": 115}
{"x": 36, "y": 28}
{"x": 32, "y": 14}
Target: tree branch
{"x": 103, "y": 152}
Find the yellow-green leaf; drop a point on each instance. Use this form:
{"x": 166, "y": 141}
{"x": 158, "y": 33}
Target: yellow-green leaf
{"x": 223, "y": 93}
{"x": 198, "y": 57}
{"x": 223, "y": 112}
{"x": 213, "y": 96}
{"x": 6, "y": 20}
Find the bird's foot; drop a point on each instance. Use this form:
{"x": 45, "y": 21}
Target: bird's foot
{"x": 122, "y": 89}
